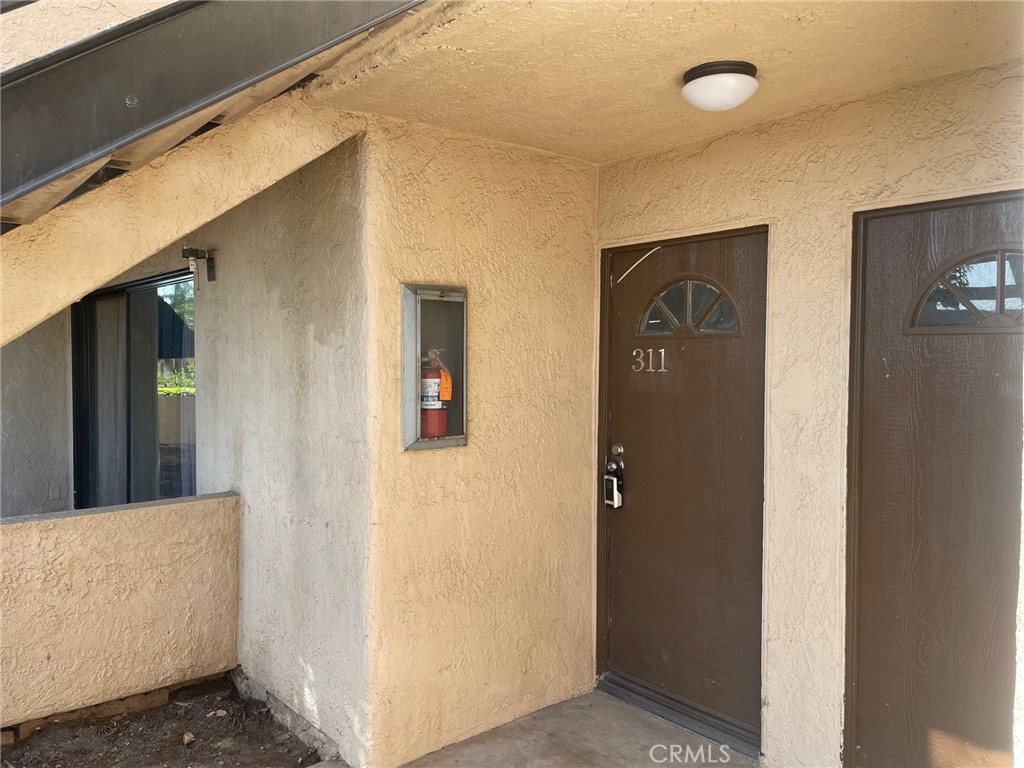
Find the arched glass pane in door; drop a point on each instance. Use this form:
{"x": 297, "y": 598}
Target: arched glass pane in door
{"x": 980, "y": 293}
{"x": 691, "y": 306}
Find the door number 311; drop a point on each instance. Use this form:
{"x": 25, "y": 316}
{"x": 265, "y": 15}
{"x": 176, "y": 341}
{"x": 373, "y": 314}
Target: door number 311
{"x": 645, "y": 360}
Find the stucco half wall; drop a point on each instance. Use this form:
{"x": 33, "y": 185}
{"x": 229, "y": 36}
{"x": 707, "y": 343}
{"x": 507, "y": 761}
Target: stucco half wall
{"x": 482, "y": 559}
{"x": 806, "y": 176}
{"x": 115, "y": 601}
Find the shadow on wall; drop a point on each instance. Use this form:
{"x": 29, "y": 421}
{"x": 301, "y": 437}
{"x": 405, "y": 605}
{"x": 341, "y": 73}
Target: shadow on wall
{"x": 35, "y": 420}
{"x": 283, "y": 420}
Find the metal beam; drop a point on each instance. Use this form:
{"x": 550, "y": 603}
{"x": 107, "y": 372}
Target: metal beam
{"x": 13, "y": 5}
{"x": 64, "y": 111}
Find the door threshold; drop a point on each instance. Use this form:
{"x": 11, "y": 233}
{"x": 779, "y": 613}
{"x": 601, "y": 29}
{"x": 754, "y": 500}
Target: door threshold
{"x": 710, "y": 725}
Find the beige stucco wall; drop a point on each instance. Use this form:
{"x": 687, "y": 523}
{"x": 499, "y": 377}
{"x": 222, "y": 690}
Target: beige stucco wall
{"x": 482, "y": 560}
{"x": 282, "y": 418}
{"x": 100, "y": 605}
{"x": 35, "y": 420}
{"x": 469, "y": 570}
{"x": 805, "y": 176}
{"x": 400, "y": 601}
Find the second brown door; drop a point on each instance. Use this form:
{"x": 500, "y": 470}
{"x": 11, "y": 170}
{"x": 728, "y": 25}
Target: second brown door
{"x": 684, "y": 396}
{"x": 935, "y": 491}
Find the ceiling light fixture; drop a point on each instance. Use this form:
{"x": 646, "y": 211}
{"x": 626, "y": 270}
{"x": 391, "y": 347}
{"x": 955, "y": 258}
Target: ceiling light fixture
{"x": 720, "y": 85}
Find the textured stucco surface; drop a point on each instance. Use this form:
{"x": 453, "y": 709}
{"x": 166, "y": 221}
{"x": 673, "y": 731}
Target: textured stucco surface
{"x": 600, "y": 80}
{"x": 806, "y": 176}
{"x": 117, "y": 601}
{"x": 481, "y": 607}
{"x": 42, "y": 27}
{"x": 483, "y": 555}
{"x": 401, "y": 601}
{"x": 35, "y": 420}
{"x": 282, "y": 418}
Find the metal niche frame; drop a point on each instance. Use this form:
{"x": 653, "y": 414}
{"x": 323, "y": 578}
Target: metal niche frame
{"x": 413, "y": 295}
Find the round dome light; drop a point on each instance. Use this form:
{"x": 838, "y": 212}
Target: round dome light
{"x": 720, "y": 85}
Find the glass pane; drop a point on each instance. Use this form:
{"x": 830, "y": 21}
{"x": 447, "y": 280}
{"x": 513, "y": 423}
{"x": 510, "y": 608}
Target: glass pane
{"x": 721, "y": 319}
{"x": 176, "y": 389}
{"x": 942, "y": 308}
{"x": 701, "y": 296}
{"x": 655, "y": 322}
{"x": 675, "y": 300}
{"x": 978, "y": 280}
{"x": 442, "y": 367}
{"x": 1012, "y": 300}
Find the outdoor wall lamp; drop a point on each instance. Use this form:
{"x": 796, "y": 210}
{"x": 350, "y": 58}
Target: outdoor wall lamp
{"x": 719, "y": 85}
{"x": 195, "y": 255}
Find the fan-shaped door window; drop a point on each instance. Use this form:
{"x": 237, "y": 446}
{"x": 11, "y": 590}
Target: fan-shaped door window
{"x": 692, "y": 306}
{"x": 982, "y": 293}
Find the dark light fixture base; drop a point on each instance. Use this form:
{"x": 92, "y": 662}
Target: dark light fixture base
{"x": 718, "y": 68}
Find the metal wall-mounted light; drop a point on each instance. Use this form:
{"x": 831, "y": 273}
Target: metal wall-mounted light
{"x": 195, "y": 255}
{"x": 720, "y": 85}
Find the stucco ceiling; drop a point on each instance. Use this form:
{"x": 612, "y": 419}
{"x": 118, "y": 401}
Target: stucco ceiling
{"x": 600, "y": 81}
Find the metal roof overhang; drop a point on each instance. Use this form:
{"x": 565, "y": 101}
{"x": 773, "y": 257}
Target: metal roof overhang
{"x": 65, "y": 116}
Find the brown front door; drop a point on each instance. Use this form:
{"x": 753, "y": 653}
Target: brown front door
{"x": 683, "y": 409}
{"x": 935, "y": 483}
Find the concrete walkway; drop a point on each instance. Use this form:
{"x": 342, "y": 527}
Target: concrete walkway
{"x": 592, "y": 731}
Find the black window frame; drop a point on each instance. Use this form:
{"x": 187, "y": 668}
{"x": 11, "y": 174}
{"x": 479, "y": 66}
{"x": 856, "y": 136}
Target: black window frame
{"x": 84, "y": 384}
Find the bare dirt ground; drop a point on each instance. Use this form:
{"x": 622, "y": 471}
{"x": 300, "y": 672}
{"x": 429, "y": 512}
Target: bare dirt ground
{"x": 223, "y": 732}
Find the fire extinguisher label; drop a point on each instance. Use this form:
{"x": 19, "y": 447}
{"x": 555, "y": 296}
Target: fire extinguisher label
{"x": 446, "y": 385}
{"x": 430, "y": 391}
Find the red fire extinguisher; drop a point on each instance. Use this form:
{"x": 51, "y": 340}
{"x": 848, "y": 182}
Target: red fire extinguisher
{"x": 435, "y": 394}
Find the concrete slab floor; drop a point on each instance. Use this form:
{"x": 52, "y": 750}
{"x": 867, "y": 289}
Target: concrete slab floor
{"x": 593, "y": 731}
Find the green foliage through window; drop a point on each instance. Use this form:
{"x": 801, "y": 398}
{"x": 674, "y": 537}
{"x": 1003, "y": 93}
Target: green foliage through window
{"x": 181, "y": 382}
